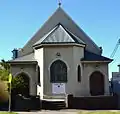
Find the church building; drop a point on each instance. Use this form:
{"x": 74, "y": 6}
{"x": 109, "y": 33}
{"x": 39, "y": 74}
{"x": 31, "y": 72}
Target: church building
{"x": 61, "y": 59}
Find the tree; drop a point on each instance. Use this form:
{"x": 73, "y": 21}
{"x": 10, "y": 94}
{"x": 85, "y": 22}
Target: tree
{"x": 5, "y": 65}
{"x": 4, "y": 73}
{"x": 20, "y": 85}
{"x": 4, "y": 70}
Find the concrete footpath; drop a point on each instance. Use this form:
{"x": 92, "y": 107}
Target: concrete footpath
{"x": 64, "y": 111}
{"x": 51, "y": 112}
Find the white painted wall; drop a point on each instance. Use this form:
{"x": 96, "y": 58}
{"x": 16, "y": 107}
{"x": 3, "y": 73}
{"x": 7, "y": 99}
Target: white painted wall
{"x": 39, "y": 58}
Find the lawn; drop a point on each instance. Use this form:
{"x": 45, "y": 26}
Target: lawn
{"x": 99, "y": 112}
{"x": 8, "y": 113}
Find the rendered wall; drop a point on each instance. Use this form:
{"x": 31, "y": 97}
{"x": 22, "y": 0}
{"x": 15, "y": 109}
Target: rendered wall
{"x": 70, "y": 55}
{"x": 40, "y": 60}
{"x": 30, "y": 71}
{"x": 88, "y": 69}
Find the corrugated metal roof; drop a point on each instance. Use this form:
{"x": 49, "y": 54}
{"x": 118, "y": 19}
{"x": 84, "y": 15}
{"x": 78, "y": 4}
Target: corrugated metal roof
{"x": 59, "y": 34}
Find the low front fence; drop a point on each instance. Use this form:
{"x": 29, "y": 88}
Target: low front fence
{"x": 21, "y": 103}
{"x": 91, "y": 103}
{"x": 4, "y": 106}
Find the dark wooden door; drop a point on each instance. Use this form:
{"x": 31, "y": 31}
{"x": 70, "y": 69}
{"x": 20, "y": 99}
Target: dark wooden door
{"x": 97, "y": 84}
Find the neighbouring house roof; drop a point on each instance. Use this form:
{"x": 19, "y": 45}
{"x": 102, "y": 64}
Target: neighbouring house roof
{"x": 25, "y": 58}
{"x": 88, "y": 56}
{"x": 59, "y": 34}
{"x": 60, "y": 16}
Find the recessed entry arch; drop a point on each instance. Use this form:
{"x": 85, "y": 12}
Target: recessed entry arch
{"x": 24, "y": 89}
{"x": 96, "y": 83}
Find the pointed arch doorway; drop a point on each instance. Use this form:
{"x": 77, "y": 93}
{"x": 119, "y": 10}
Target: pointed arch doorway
{"x": 96, "y": 83}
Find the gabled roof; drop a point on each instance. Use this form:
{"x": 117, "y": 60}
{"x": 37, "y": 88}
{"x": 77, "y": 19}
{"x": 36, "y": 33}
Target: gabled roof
{"x": 60, "y": 17}
{"x": 59, "y": 34}
{"x": 88, "y": 56}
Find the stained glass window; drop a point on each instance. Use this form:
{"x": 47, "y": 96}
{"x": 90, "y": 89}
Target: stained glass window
{"x": 58, "y": 72}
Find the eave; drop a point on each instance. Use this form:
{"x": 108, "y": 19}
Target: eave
{"x": 58, "y": 44}
{"x": 96, "y": 61}
{"x": 22, "y": 62}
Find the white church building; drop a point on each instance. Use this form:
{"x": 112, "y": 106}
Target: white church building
{"x": 61, "y": 59}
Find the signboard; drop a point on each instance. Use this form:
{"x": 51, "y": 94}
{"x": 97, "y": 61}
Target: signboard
{"x": 58, "y": 88}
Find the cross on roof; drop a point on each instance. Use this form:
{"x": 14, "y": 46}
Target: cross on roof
{"x": 59, "y": 3}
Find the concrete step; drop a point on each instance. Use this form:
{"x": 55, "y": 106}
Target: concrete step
{"x": 53, "y": 105}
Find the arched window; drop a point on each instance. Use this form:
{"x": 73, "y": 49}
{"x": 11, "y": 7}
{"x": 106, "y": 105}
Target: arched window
{"x": 38, "y": 75}
{"x": 79, "y": 73}
{"x": 58, "y": 72}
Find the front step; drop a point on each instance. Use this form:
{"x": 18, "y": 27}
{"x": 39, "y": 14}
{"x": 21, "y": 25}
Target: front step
{"x": 53, "y": 105}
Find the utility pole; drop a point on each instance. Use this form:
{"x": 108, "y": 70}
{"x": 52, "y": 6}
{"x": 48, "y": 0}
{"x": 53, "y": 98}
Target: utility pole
{"x": 9, "y": 97}
{"x": 10, "y": 79}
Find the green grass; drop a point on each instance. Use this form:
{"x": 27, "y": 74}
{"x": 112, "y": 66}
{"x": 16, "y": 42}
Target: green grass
{"x": 8, "y": 113}
{"x": 99, "y": 112}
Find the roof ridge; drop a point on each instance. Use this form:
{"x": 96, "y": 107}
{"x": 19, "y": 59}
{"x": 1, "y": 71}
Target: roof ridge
{"x": 51, "y": 22}
{"x": 25, "y": 55}
{"x": 59, "y": 8}
{"x": 69, "y": 32}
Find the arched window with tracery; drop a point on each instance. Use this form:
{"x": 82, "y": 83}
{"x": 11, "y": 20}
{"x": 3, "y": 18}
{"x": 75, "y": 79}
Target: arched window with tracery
{"x": 58, "y": 72}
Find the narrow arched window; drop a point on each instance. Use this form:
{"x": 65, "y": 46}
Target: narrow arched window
{"x": 38, "y": 75}
{"x": 58, "y": 72}
{"x": 79, "y": 73}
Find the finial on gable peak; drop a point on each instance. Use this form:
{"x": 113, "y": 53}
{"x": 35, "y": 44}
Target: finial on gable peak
{"x": 59, "y": 3}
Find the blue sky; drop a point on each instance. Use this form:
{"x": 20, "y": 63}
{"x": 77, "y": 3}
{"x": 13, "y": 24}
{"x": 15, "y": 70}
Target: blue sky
{"x": 20, "y": 19}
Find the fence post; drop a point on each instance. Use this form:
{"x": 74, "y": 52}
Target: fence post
{"x": 66, "y": 100}
{"x": 70, "y": 101}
